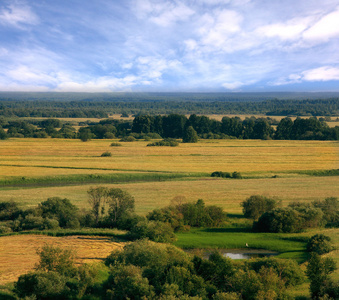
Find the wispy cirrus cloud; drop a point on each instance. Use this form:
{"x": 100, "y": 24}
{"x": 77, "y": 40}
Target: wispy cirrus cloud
{"x": 18, "y": 14}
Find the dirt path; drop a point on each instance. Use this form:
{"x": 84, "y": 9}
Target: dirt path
{"x": 18, "y": 253}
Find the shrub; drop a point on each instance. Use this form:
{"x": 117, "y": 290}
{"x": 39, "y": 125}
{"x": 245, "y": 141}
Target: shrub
{"x": 55, "y": 259}
{"x": 319, "y": 244}
{"x": 155, "y": 231}
{"x": 42, "y": 285}
{"x": 105, "y": 154}
{"x": 165, "y": 142}
{"x": 236, "y": 175}
{"x": 288, "y": 269}
{"x": 5, "y": 229}
{"x": 221, "y": 174}
{"x": 128, "y": 139}
{"x": 116, "y": 145}
{"x": 256, "y": 205}
{"x": 279, "y": 220}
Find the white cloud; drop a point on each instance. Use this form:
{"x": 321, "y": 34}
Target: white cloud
{"x": 26, "y": 75}
{"x": 233, "y": 85}
{"x": 18, "y": 15}
{"x": 162, "y": 13}
{"x": 325, "y": 29}
{"x": 290, "y": 30}
{"x": 325, "y": 73}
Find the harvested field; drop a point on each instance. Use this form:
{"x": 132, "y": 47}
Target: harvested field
{"x": 18, "y": 253}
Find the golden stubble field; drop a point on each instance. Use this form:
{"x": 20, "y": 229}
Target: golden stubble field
{"x": 42, "y": 157}
{"x": 18, "y": 253}
{"x": 255, "y": 158}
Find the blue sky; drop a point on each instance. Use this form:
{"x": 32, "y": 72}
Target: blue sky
{"x": 169, "y": 45}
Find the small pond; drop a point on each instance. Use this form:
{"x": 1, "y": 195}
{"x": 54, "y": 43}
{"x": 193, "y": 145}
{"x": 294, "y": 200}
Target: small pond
{"x": 237, "y": 253}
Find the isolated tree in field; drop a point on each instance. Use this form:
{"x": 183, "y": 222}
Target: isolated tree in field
{"x": 97, "y": 198}
{"x": 190, "y": 135}
{"x": 256, "y": 205}
{"x": 120, "y": 203}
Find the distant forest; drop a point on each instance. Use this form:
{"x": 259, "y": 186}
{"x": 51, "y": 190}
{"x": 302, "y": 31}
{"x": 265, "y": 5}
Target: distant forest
{"x": 101, "y": 105}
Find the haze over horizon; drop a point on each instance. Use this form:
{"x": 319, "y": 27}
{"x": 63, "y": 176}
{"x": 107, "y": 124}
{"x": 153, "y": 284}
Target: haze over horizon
{"x": 169, "y": 46}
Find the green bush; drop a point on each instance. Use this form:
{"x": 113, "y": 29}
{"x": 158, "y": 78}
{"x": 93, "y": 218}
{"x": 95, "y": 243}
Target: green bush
{"x": 279, "y": 220}
{"x": 221, "y": 174}
{"x": 42, "y": 285}
{"x": 5, "y": 229}
{"x": 288, "y": 269}
{"x": 116, "y": 145}
{"x": 154, "y": 230}
{"x": 319, "y": 244}
{"x": 166, "y": 142}
{"x": 128, "y": 139}
{"x": 106, "y": 154}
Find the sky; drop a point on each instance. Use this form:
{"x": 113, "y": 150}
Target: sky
{"x": 169, "y": 45}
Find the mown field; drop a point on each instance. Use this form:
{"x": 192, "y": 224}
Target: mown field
{"x": 32, "y": 170}
{"x": 279, "y": 169}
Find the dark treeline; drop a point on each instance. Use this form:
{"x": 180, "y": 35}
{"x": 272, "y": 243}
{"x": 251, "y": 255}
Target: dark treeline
{"x": 176, "y": 126}
{"x": 102, "y": 107}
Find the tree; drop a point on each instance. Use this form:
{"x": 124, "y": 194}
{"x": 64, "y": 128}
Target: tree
{"x": 85, "y": 134}
{"x": 285, "y": 220}
{"x": 97, "y": 198}
{"x": 120, "y": 203}
{"x": 256, "y": 205}
{"x": 319, "y": 244}
{"x": 62, "y": 210}
{"x": 3, "y": 134}
{"x": 55, "y": 259}
{"x": 190, "y": 135}
{"x": 318, "y": 272}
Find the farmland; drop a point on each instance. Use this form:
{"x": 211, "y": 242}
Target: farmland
{"x": 291, "y": 163}
{"x": 32, "y": 170}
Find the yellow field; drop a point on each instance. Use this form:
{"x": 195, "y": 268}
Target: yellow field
{"x": 246, "y": 156}
{"x": 255, "y": 158}
{"x": 16, "y": 260}
{"x": 228, "y": 193}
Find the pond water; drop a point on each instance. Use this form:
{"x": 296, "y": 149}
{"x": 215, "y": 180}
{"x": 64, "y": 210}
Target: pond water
{"x": 247, "y": 255}
{"x": 238, "y": 253}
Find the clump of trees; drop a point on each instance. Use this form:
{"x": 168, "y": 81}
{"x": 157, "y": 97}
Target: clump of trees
{"x": 50, "y": 214}
{"x": 235, "y": 175}
{"x": 165, "y": 272}
{"x": 57, "y": 277}
{"x": 165, "y": 142}
{"x": 184, "y": 215}
{"x": 299, "y": 216}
